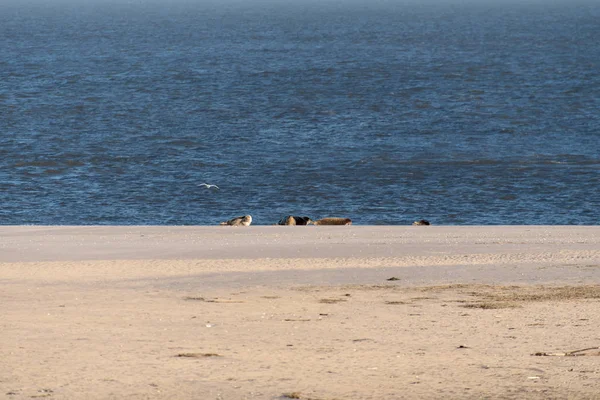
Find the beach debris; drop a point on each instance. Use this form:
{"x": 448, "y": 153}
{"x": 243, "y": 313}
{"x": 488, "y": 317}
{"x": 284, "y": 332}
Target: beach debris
{"x": 331, "y": 301}
{"x": 393, "y": 278}
{"x": 198, "y": 355}
{"x": 43, "y": 393}
{"x": 244, "y": 220}
{"x": 215, "y": 300}
{"x": 333, "y": 221}
{"x": 574, "y": 353}
{"x": 463, "y": 347}
{"x": 291, "y": 395}
{"x": 198, "y": 299}
{"x": 298, "y": 395}
{"x": 491, "y": 305}
{"x": 421, "y": 222}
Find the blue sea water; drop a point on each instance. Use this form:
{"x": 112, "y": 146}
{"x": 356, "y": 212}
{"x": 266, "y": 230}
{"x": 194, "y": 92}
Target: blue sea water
{"x": 460, "y": 112}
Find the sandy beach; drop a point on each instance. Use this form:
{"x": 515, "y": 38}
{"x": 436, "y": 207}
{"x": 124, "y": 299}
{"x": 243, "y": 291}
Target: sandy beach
{"x": 322, "y": 313}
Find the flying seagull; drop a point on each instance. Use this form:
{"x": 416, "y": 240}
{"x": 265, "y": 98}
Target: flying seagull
{"x": 208, "y": 186}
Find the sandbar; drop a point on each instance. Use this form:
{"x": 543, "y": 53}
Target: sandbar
{"x": 306, "y": 312}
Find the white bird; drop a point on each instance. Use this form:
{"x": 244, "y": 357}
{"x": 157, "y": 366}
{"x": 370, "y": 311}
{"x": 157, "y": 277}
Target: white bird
{"x": 208, "y": 186}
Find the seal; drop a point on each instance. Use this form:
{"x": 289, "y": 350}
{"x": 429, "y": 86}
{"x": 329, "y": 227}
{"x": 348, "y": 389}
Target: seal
{"x": 333, "y": 221}
{"x": 244, "y": 220}
{"x": 294, "y": 220}
{"x": 421, "y": 222}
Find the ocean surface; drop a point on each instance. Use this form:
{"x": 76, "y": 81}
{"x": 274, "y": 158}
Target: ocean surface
{"x": 459, "y": 112}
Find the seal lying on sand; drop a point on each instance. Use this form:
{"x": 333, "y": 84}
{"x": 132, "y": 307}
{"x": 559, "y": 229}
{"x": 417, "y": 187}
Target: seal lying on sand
{"x": 244, "y": 220}
{"x": 294, "y": 220}
{"x": 333, "y": 221}
{"x": 421, "y": 222}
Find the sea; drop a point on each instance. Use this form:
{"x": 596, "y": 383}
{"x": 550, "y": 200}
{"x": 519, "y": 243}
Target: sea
{"x": 461, "y": 112}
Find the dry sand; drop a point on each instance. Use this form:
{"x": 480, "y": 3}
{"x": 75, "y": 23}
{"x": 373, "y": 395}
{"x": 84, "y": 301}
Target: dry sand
{"x": 324, "y": 313}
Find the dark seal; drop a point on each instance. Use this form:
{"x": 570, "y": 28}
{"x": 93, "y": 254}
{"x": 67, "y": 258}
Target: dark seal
{"x": 421, "y": 222}
{"x": 294, "y": 220}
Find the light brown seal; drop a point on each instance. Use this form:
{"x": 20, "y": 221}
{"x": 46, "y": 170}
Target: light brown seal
{"x": 294, "y": 220}
{"x": 244, "y": 220}
{"x": 333, "y": 221}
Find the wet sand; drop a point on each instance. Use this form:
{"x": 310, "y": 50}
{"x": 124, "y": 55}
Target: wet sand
{"x": 349, "y": 312}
